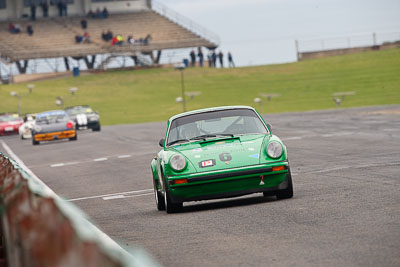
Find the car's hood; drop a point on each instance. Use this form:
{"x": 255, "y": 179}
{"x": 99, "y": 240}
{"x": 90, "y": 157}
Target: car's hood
{"x": 223, "y": 153}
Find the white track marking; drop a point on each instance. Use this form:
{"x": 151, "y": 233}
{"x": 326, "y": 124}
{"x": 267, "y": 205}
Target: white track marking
{"x": 28, "y": 171}
{"x": 101, "y": 159}
{"x": 124, "y": 156}
{"x": 123, "y": 196}
{"x": 113, "y": 197}
{"x": 110, "y": 195}
{"x": 57, "y": 165}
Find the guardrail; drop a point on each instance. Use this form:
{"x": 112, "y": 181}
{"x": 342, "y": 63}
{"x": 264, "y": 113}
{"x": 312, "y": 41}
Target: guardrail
{"x": 41, "y": 229}
{"x": 185, "y": 22}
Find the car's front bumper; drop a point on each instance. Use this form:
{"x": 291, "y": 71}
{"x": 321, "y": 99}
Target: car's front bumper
{"x": 9, "y": 130}
{"x": 229, "y": 183}
{"x": 54, "y": 135}
{"x": 88, "y": 125}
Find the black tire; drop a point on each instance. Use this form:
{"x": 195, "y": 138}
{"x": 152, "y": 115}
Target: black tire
{"x": 34, "y": 142}
{"x": 169, "y": 206}
{"x": 288, "y": 192}
{"x": 160, "y": 202}
{"x": 22, "y": 137}
{"x": 74, "y": 138}
{"x": 97, "y": 128}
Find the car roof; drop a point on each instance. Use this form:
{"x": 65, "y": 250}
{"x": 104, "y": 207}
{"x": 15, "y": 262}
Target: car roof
{"x": 208, "y": 110}
{"x": 79, "y": 106}
{"x": 51, "y": 112}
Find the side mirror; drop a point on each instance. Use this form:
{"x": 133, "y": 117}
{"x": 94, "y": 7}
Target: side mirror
{"x": 161, "y": 142}
{"x": 269, "y": 127}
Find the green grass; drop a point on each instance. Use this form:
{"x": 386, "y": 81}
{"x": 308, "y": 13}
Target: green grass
{"x": 149, "y": 95}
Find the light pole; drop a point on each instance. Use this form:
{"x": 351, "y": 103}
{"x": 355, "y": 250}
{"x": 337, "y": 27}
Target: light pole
{"x": 261, "y": 103}
{"x": 19, "y": 96}
{"x": 60, "y": 101}
{"x": 181, "y": 68}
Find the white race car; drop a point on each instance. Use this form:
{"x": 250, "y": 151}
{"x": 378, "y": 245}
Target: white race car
{"x": 25, "y": 130}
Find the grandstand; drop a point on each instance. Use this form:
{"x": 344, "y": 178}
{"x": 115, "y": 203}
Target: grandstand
{"x": 54, "y": 36}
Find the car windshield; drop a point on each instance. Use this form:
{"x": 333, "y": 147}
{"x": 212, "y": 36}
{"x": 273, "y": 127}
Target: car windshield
{"x": 51, "y": 117}
{"x": 215, "y": 123}
{"x": 10, "y": 117}
{"x": 79, "y": 110}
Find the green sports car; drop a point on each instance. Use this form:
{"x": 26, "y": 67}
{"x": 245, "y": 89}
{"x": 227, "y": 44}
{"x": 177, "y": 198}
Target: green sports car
{"x": 217, "y": 153}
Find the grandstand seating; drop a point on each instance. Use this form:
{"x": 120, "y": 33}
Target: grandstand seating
{"x": 55, "y": 37}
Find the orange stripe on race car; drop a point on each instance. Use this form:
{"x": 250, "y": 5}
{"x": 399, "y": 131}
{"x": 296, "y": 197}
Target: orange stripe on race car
{"x": 50, "y": 136}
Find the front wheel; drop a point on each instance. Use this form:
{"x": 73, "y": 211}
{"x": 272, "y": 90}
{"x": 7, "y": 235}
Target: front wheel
{"x": 160, "y": 202}
{"x": 288, "y": 192}
{"x": 97, "y": 128}
{"x": 169, "y": 206}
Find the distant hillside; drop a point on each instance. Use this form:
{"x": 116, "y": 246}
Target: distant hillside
{"x": 149, "y": 95}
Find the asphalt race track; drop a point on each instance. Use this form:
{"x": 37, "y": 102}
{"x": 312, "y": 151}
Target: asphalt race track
{"x": 345, "y": 211}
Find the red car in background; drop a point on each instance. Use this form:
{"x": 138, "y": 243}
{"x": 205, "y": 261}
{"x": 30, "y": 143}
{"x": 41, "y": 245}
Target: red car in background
{"x": 9, "y": 124}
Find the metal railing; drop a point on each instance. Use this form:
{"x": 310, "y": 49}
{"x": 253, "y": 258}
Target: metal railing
{"x": 185, "y": 22}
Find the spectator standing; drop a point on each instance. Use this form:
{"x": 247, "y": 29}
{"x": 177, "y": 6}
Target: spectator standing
{"x": 29, "y": 30}
{"x": 221, "y": 58}
{"x": 45, "y": 8}
{"x": 65, "y": 7}
{"x": 33, "y": 11}
{"x": 105, "y": 13}
{"x": 192, "y": 58}
{"x": 60, "y": 8}
{"x": 98, "y": 13}
{"x": 214, "y": 59}
{"x": 230, "y": 60}
{"x": 209, "y": 57}
{"x": 84, "y": 23}
{"x": 201, "y": 57}
{"x": 91, "y": 15}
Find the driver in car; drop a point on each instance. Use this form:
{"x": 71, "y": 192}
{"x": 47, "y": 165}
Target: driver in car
{"x": 190, "y": 130}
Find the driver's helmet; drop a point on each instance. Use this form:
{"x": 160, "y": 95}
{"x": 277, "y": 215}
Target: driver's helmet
{"x": 190, "y": 130}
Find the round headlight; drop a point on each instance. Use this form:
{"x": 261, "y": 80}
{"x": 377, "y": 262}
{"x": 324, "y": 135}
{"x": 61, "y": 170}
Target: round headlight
{"x": 177, "y": 162}
{"x": 274, "y": 149}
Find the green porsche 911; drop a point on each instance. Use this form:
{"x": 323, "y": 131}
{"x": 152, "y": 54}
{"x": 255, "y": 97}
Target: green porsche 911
{"x": 217, "y": 153}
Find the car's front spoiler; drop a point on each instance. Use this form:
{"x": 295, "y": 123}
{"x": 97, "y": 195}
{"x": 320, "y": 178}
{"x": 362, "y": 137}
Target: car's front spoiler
{"x": 280, "y": 182}
{"x": 229, "y": 183}
{"x": 264, "y": 169}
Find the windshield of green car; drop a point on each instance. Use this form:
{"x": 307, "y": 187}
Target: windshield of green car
{"x": 79, "y": 110}
{"x": 215, "y": 123}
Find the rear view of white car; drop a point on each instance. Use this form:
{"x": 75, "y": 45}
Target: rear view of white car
{"x": 25, "y": 130}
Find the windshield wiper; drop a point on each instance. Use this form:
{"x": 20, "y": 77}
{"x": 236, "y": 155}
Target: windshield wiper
{"x": 178, "y": 141}
{"x": 204, "y": 136}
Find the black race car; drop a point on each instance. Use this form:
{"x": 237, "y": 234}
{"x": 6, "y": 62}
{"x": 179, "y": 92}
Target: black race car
{"x": 84, "y": 117}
